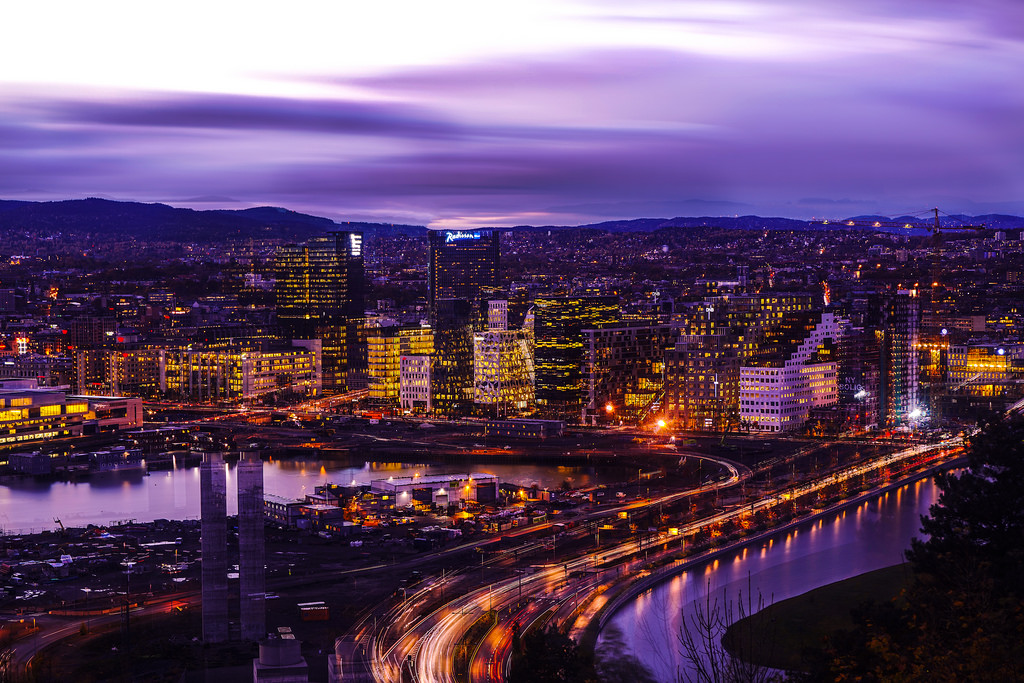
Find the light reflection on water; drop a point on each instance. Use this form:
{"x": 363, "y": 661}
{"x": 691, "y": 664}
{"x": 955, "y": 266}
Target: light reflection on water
{"x": 29, "y": 505}
{"x": 875, "y": 536}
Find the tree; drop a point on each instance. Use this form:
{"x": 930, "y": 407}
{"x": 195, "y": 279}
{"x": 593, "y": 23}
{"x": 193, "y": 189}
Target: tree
{"x": 719, "y": 645}
{"x": 962, "y": 618}
{"x": 550, "y": 656}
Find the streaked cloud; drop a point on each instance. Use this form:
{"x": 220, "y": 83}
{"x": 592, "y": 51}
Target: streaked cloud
{"x": 460, "y": 112}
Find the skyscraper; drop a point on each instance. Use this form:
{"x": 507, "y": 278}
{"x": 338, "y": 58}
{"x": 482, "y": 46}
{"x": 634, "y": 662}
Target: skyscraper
{"x": 899, "y": 380}
{"x": 463, "y": 263}
{"x": 320, "y": 295}
{"x": 213, "y": 543}
{"x": 451, "y": 363}
{"x": 251, "y": 549}
{"x": 558, "y": 333}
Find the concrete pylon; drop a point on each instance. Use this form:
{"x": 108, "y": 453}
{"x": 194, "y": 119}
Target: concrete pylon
{"x": 214, "y": 526}
{"x": 251, "y": 550}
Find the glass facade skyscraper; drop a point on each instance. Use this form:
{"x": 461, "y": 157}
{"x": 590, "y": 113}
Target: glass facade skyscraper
{"x": 320, "y": 295}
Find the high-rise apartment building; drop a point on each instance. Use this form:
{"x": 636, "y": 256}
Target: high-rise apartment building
{"x": 463, "y": 263}
{"x": 702, "y": 381}
{"x": 899, "y": 328}
{"x": 793, "y": 373}
{"x": 320, "y": 295}
{"x": 558, "y": 324}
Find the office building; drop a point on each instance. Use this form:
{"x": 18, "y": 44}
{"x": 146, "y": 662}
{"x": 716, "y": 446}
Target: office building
{"x": 558, "y": 349}
{"x": 624, "y": 371}
{"x": 251, "y": 547}
{"x": 241, "y": 372}
{"x": 463, "y": 264}
{"x": 451, "y": 364}
{"x": 385, "y": 348}
{"x": 213, "y": 545}
{"x": 702, "y": 381}
{"x": 503, "y": 372}
{"x": 320, "y": 295}
{"x": 30, "y": 414}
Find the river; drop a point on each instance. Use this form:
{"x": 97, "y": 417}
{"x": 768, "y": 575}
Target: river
{"x": 27, "y": 505}
{"x": 870, "y": 536}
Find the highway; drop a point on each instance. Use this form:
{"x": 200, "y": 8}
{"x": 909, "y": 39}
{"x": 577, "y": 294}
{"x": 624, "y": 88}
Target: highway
{"x": 427, "y": 643}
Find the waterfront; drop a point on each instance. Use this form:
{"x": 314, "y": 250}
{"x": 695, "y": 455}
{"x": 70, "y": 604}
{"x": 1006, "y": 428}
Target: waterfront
{"x": 869, "y": 536}
{"x": 27, "y": 505}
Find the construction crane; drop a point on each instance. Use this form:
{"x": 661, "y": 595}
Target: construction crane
{"x": 934, "y": 227}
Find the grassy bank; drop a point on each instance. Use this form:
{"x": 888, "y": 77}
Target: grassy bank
{"x": 778, "y": 635}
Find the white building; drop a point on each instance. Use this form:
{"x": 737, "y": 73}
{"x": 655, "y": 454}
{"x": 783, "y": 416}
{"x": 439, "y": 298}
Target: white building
{"x": 414, "y": 384}
{"x": 778, "y": 393}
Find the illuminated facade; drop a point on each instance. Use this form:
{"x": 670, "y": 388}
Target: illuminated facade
{"x": 985, "y": 370}
{"x": 414, "y": 385}
{"x": 899, "y": 329}
{"x": 29, "y": 414}
{"x": 463, "y": 263}
{"x": 119, "y": 373}
{"x": 451, "y": 364}
{"x": 385, "y": 347}
{"x": 320, "y": 295}
{"x": 794, "y": 372}
{"x": 558, "y": 325}
{"x": 503, "y": 372}
{"x": 702, "y": 380}
{"x": 233, "y": 375}
{"x": 624, "y": 369}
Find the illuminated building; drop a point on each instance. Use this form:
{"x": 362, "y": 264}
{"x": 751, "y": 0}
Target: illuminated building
{"x": 702, "y": 381}
{"x": 30, "y": 414}
{"x": 985, "y": 369}
{"x": 437, "y": 489}
{"x": 899, "y": 328}
{"x": 503, "y": 372}
{"x": 462, "y": 264}
{"x": 702, "y": 373}
{"x": 793, "y": 373}
{"x": 385, "y": 346}
{"x": 119, "y": 373}
{"x": 858, "y": 386}
{"x": 624, "y": 367}
{"x": 320, "y": 295}
{"x": 451, "y": 364}
{"x": 558, "y": 356}
{"x": 240, "y": 373}
{"x": 414, "y": 385}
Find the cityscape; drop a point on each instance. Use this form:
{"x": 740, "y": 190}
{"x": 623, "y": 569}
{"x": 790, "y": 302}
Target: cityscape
{"x": 537, "y": 342}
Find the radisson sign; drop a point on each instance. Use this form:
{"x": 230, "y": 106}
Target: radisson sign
{"x": 459, "y": 235}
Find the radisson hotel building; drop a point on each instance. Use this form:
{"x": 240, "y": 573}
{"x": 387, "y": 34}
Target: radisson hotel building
{"x": 463, "y": 263}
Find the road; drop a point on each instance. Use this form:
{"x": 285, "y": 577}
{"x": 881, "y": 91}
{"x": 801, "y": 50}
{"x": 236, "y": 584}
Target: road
{"x": 428, "y": 642}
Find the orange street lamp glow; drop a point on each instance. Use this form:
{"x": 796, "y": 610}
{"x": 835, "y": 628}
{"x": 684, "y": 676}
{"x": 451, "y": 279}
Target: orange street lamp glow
{"x": 609, "y": 409}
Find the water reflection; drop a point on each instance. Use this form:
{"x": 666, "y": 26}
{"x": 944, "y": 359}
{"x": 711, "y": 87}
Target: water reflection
{"x": 875, "y": 536}
{"x": 28, "y": 505}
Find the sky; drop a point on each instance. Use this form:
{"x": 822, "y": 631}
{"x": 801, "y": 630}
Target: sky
{"x": 458, "y": 113}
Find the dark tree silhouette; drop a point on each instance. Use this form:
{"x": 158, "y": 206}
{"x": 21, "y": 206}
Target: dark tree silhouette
{"x": 962, "y": 618}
